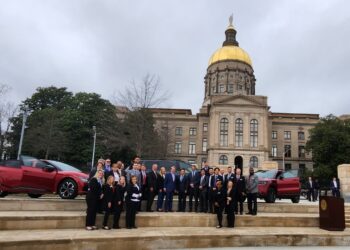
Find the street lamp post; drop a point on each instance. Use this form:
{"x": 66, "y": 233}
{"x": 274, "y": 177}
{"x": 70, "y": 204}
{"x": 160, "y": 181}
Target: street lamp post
{"x": 93, "y": 148}
{"x": 25, "y": 115}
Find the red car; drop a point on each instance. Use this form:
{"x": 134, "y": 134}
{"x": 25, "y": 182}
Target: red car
{"x": 279, "y": 184}
{"x": 37, "y": 177}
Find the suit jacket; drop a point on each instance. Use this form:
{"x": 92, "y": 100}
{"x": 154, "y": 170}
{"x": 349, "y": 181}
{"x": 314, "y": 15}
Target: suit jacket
{"x": 204, "y": 183}
{"x": 213, "y": 182}
{"x": 108, "y": 193}
{"x": 194, "y": 179}
{"x": 182, "y": 186}
{"x": 94, "y": 190}
{"x": 169, "y": 182}
{"x": 133, "y": 193}
{"x": 252, "y": 184}
{"x": 220, "y": 197}
{"x": 226, "y": 178}
{"x": 232, "y": 195}
{"x": 309, "y": 185}
{"x": 108, "y": 173}
{"x": 143, "y": 185}
{"x": 239, "y": 184}
{"x": 152, "y": 180}
{"x": 333, "y": 187}
{"x": 160, "y": 182}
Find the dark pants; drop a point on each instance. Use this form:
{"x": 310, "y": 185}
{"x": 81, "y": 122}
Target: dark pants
{"x": 182, "y": 202}
{"x": 160, "y": 200}
{"x": 131, "y": 209}
{"x": 108, "y": 211}
{"x": 311, "y": 194}
{"x": 335, "y": 192}
{"x": 203, "y": 200}
{"x": 230, "y": 215}
{"x": 252, "y": 203}
{"x": 238, "y": 201}
{"x": 317, "y": 191}
{"x": 150, "y": 199}
{"x": 92, "y": 206}
{"x": 193, "y": 193}
{"x": 117, "y": 212}
{"x": 169, "y": 201}
{"x": 219, "y": 210}
{"x": 211, "y": 194}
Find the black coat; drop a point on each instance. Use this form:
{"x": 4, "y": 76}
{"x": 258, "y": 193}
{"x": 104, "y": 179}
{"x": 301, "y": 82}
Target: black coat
{"x": 94, "y": 191}
{"x": 240, "y": 185}
{"x": 220, "y": 197}
{"x": 194, "y": 179}
{"x": 132, "y": 193}
{"x": 161, "y": 182}
{"x": 212, "y": 180}
{"x": 182, "y": 186}
{"x": 108, "y": 194}
{"x": 232, "y": 195}
{"x": 152, "y": 180}
{"x": 204, "y": 183}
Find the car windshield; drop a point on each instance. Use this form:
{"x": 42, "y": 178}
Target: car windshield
{"x": 63, "y": 166}
{"x": 267, "y": 174}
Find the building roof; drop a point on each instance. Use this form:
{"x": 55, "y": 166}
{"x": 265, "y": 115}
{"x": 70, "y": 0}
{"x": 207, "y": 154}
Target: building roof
{"x": 294, "y": 115}
{"x": 171, "y": 111}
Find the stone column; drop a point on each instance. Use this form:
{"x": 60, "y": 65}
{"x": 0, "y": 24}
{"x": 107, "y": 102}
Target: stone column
{"x": 344, "y": 178}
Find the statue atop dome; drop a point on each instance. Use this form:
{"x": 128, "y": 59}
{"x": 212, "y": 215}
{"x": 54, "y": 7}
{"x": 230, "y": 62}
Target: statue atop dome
{"x": 230, "y": 19}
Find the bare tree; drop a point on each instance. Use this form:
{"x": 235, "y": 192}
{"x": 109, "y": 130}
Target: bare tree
{"x": 7, "y": 111}
{"x": 147, "y": 93}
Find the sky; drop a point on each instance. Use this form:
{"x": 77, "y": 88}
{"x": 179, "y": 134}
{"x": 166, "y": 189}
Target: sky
{"x": 300, "y": 49}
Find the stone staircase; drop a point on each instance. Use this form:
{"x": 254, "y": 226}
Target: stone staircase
{"x": 347, "y": 216}
{"x": 49, "y": 223}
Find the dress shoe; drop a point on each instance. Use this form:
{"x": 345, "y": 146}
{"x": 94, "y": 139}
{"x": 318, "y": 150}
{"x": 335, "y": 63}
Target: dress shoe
{"x": 135, "y": 227}
{"x": 218, "y": 226}
{"x": 248, "y": 213}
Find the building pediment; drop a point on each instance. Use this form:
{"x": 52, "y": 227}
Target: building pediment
{"x": 241, "y": 100}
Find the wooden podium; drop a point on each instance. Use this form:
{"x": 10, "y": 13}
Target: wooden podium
{"x": 332, "y": 216}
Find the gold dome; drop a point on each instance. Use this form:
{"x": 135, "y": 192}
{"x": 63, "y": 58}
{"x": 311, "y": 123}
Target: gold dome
{"x": 230, "y": 53}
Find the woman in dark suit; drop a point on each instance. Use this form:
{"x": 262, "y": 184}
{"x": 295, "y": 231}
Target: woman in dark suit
{"x": 118, "y": 200}
{"x": 230, "y": 204}
{"x": 219, "y": 202}
{"x": 108, "y": 191}
{"x": 93, "y": 197}
{"x": 132, "y": 200}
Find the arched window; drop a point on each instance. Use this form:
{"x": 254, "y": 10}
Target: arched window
{"x": 254, "y": 133}
{"x": 254, "y": 162}
{"x": 224, "y": 132}
{"x": 223, "y": 160}
{"x": 239, "y": 132}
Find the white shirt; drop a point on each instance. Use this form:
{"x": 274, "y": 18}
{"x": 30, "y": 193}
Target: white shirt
{"x": 116, "y": 176}
{"x": 335, "y": 184}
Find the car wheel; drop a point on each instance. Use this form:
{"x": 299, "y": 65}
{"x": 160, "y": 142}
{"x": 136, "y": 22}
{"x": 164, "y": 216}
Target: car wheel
{"x": 68, "y": 189}
{"x": 296, "y": 199}
{"x": 34, "y": 195}
{"x": 271, "y": 196}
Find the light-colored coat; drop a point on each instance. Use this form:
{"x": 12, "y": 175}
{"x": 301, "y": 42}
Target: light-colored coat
{"x": 252, "y": 182}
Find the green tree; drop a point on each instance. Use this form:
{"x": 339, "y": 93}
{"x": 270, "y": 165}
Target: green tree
{"x": 330, "y": 145}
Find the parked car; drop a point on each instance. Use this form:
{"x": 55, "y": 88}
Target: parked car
{"x": 168, "y": 164}
{"x": 37, "y": 177}
{"x": 279, "y": 184}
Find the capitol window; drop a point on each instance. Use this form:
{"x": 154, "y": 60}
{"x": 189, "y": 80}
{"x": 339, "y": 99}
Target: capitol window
{"x": 254, "y": 133}
{"x": 193, "y": 131}
{"x": 224, "y": 132}
{"x": 221, "y": 88}
{"x": 254, "y": 162}
{"x": 230, "y": 88}
{"x": 178, "y": 147}
{"x": 239, "y": 132}
{"x": 287, "y": 135}
{"x": 205, "y": 127}
{"x": 178, "y": 131}
{"x": 223, "y": 160}
{"x": 204, "y": 144}
{"x": 274, "y": 151}
{"x": 192, "y": 148}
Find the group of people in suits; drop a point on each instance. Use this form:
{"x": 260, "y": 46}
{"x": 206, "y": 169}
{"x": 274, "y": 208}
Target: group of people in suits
{"x": 313, "y": 188}
{"x": 208, "y": 191}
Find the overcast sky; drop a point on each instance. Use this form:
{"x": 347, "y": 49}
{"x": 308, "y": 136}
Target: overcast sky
{"x": 300, "y": 49}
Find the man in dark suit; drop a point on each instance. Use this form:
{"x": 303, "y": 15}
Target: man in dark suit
{"x": 228, "y": 176}
{"x": 203, "y": 190}
{"x": 161, "y": 191}
{"x": 240, "y": 186}
{"x": 310, "y": 186}
{"x": 206, "y": 168}
{"x": 211, "y": 191}
{"x": 152, "y": 186}
{"x": 335, "y": 187}
{"x": 193, "y": 188}
{"x": 182, "y": 186}
{"x": 170, "y": 188}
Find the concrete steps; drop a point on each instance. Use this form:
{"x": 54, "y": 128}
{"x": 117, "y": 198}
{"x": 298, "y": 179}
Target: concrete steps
{"x": 54, "y": 204}
{"x": 29, "y": 220}
{"x": 165, "y": 238}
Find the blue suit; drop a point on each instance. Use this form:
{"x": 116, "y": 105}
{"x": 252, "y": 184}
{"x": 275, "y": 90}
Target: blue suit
{"x": 170, "y": 186}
